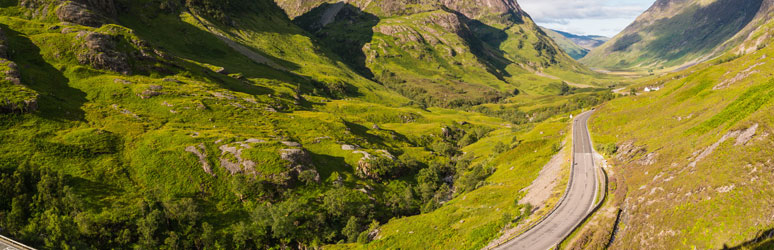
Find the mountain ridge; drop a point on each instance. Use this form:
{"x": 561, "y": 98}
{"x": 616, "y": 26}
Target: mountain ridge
{"x": 673, "y": 34}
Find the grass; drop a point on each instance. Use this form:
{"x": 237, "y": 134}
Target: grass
{"x": 677, "y": 123}
{"x": 659, "y": 42}
{"x": 473, "y": 219}
{"x": 120, "y": 152}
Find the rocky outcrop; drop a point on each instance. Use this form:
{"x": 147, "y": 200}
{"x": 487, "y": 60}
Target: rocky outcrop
{"x": 78, "y": 13}
{"x": 16, "y": 98}
{"x": 470, "y": 8}
{"x": 92, "y": 13}
{"x": 99, "y": 50}
{"x": 201, "y": 152}
{"x": 25, "y": 106}
{"x": 299, "y": 161}
{"x": 628, "y": 150}
{"x": 475, "y": 9}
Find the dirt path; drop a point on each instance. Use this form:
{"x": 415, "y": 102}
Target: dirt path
{"x": 538, "y": 193}
{"x": 542, "y": 188}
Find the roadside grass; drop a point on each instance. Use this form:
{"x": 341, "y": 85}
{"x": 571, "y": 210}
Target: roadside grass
{"x": 473, "y": 219}
{"x": 719, "y": 201}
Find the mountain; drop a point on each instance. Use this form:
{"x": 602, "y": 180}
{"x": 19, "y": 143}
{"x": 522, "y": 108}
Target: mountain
{"x": 207, "y": 124}
{"x": 447, "y": 53}
{"x": 575, "y": 46}
{"x": 691, "y": 163}
{"x": 675, "y": 33}
{"x": 588, "y": 42}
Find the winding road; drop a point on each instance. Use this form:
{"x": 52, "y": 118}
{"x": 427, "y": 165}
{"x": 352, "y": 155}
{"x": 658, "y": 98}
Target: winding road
{"x": 577, "y": 203}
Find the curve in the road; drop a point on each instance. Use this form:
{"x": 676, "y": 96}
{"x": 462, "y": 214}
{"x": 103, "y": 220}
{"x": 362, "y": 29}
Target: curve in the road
{"x": 578, "y": 200}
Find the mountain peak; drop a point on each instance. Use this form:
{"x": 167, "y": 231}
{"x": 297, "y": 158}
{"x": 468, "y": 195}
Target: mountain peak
{"x": 675, "y": 33}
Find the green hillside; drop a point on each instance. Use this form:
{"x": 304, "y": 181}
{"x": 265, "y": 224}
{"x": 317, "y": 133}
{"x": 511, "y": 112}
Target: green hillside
{"x": 692, "y": 161}
{"x": 453, "y": 55}
{"x": 673, "y": 34}
{"x": 568, "y": 46}
{"x": 203, "y": 124}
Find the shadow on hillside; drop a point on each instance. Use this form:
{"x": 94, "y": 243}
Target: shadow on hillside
{"x": 326, "y": 165}
{"x": 343, "y": 28}
{"x": 193, "y": 45}
{"x": 703, "y": 28}
{"x": 764, "y": 241}
{"x": 485, "y": 45}
{"x": 57, "y": 99}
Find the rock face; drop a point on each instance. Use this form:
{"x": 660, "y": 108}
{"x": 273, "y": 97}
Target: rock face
{"x": 470, "y": 8}
{"x": 201, "y": 152}
{"x": 299, "y": 161}
{"x": 385, "y": 40}
{"x": 99, "y": 50}
{"x": 92, "y": 13}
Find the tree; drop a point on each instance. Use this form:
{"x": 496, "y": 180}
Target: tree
{"x": 147, "y": 227}
{"x": 240, "y": 236}
{"x": 343, "y": 202}
{"x": 207, "y": 238}
{"x": 500, "y": 147}
{"x": 352, "y": 229}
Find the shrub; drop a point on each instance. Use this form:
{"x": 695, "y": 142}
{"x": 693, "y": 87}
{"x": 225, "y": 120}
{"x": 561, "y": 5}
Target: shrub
{"x": 608, "y": 149}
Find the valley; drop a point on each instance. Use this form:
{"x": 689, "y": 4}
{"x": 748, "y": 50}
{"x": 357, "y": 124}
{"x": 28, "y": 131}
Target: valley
{"x": 382, "y": 124}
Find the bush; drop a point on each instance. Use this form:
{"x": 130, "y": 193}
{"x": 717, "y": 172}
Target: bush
{"x": 500, "y": 147}
{"x": 608, "y": 149}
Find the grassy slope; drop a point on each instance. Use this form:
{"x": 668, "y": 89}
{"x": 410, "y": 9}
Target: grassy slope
{"x": 118, "y": 151}
{"x": 438, "y": 58}
{"x": 684, "y": 33}
{"x": 695, "y": 206}
{"x": 472, "y": 220}
{"x": 573, "y": 50}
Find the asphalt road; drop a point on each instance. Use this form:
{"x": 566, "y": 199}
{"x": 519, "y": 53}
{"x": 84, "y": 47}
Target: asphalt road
{"x": 575, "y": 206}
{"x": 8, "y": 244}
{"x": 4, "y": 246}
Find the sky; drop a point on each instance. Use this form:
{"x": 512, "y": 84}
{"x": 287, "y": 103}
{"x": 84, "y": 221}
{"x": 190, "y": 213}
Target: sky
{"x": 585, "y": 17}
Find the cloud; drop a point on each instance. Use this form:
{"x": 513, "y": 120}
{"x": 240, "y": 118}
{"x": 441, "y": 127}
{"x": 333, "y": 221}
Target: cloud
{"x": 599, "y": 13}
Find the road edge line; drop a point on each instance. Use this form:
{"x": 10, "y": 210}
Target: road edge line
{"x": 14, "y": 243}
{"x": 564, "y": 196}
{"x": 601, "y": 201}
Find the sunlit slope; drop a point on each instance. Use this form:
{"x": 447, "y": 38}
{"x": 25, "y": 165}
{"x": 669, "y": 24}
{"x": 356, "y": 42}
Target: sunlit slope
{"x": 448, "y": 53}
{"x": 696, "y": 156}
{"x": 676, "y": 33}
{"x": 568, "y": 46}
{"x": 204, "y": 124}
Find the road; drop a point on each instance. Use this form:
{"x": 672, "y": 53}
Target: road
{"x": 8, "y": 244}
{"x": 4, "y": 246}
{"x": 575, "y": 206}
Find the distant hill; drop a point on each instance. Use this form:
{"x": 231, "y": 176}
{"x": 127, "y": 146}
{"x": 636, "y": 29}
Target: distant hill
{"x": 677, "y": 33}
{"x": 576, "y": 46}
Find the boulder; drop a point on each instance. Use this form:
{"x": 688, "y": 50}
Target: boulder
{"x": 80, "y": 13}
{"x": 295, "y": 156}
{"x": 99, "y": 51}
{"x": 291, "y": 144}
{"x": 26, "y": 106}
{"x": 201, "y": 153}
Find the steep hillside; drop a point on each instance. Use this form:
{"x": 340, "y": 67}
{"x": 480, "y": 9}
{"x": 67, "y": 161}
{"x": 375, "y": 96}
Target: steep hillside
{"x": 587, "y": 42}
{"x": 678, "y": 33}
{"x": 207, "y": 124}
{"x": 692, "y": 162}
{"x": 448, "y": 53}
{"x": 575, "y": 46}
